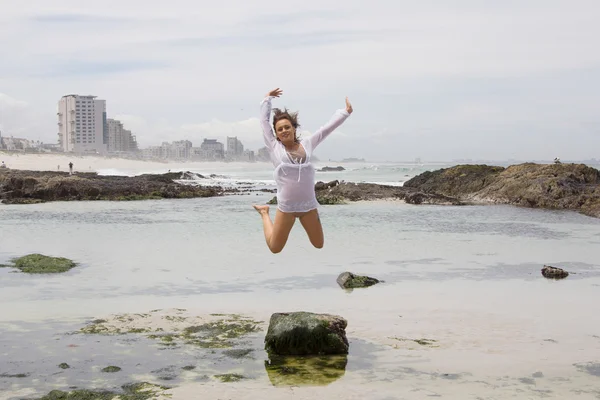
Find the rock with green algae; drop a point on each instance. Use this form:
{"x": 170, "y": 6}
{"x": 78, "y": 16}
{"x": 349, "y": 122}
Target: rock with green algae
{"x": 306, "y": 333}
{"x": 312, "y": 370}
{"x": 135, "y": 391}
{"x": 41, "y": 264}
{"x": 348, "y": 280}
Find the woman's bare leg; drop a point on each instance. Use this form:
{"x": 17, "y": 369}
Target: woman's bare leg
{"x": 312, "y": 225}
{"x": 277, "y": 233}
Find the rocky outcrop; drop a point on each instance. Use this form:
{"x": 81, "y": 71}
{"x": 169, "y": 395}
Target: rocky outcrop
{"x": 348, "y": 280}
{"x": 348, "y": 191}
{"x": 553, "y": 272}
{"x": 305, "y": 333}
{"x": 22, "y": 187}
{"x": 551, "y": 186}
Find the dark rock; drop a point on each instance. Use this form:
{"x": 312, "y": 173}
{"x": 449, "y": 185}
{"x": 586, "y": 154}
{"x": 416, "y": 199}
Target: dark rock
{"x": 111, "y": 368}
{"x": 456, "y": 181}
{"x": 348, "y": 280}
{"x": 305, "y": 333}
{"x": 550, "y": 186}
{"x": 322, "y": 185}
{"x": 27, "y": 187}
{"x": 554, "y": 273}
{"x": 327, "y": 169}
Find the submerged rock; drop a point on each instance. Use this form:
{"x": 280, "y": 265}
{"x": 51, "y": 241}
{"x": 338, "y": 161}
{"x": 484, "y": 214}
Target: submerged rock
{"x": 348, "y": 280}
{"x": 305, "y": 333}
{"x": 554, "y": 273}
{"x": 41, "y": 264}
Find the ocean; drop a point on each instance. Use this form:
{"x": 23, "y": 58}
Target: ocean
{"x": 462, "y": 312}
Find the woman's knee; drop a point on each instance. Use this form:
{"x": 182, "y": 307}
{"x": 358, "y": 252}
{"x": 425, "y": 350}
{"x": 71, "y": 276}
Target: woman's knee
{"x": 275, "y": 249}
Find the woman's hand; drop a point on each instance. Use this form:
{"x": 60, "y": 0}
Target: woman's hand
{"x": 275, "y": 93}
{"x": 348, "y": 106}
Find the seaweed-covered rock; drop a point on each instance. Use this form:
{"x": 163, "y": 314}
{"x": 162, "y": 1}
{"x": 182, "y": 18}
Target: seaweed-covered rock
{"x": 305, "y": 333}
{"x": 41, "y": 264}
{"x": 348, "y": 280}
{"x": 553, "y": 272}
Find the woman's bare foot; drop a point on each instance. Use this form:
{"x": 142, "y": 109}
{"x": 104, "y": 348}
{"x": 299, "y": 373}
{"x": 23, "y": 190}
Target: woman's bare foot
{"x": 264, "y": 209}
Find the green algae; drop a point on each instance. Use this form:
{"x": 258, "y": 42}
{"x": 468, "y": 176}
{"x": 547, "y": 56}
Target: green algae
{"x": 218, "y": 334}
{"x": 328, "y": 200}
{"x": 41, "y": 264}
{"x": 134, "y": 391}
{"x": 230, "y": 377}
{"x": 214, "y": 334}
{"x": 64, "y": 366}
{"x": 111, "y": 368}
{"x": 311, "y": 370}
{"x": 188, "y": 367}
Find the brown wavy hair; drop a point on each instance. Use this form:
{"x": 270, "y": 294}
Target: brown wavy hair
{"x": 279, "y": 115}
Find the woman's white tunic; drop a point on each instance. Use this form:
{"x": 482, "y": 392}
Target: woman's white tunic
{"x": 295, "y": 180}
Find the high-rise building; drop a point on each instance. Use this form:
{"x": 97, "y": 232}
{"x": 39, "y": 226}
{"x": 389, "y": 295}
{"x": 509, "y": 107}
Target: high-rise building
{"x": 82, "y": 126}
{"x": 120, "y": 139}
{"x": 234, "y": 147}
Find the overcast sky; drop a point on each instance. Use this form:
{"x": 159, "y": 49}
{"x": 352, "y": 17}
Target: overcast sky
{"x": 440, "y": 80}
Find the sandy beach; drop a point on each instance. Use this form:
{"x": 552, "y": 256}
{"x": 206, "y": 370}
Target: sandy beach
{"x": 52, "y": 162}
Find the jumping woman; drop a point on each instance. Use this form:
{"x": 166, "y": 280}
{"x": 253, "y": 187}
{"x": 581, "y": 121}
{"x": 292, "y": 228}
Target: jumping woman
{"x": 294, "y": 173}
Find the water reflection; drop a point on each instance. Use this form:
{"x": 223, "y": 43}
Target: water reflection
{"x": 306, "y": 370}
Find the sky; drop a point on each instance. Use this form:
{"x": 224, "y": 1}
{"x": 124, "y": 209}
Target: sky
{"x": 439, "y": 80}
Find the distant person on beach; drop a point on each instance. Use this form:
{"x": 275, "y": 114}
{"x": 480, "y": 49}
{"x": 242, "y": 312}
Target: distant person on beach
{"x": 2, "y": 165}
{"x": 294, "y": 173}
{"x": 70, "y": 168}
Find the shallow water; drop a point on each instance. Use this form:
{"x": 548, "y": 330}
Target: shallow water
{"x": 467, "y": 278}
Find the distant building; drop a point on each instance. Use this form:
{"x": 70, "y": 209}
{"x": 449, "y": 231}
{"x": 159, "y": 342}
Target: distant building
{"x": 235, "y": 148}
{"x": 263, "y": 154}
{"x": 211, "y": 149}
{"x": 120, "y": 140}
{"x": 82, "y": 125}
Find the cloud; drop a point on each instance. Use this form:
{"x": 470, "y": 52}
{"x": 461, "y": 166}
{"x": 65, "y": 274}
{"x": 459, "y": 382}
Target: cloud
{"x": 19, "y": 119}
{"x": 426, "y": 78}
{"x": 77, "y": 19}
{"x": 73, "y": 68}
